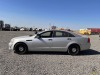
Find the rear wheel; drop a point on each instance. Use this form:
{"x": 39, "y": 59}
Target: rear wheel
{"x": 20, "y": 48}
{"x": 73, "y": 50}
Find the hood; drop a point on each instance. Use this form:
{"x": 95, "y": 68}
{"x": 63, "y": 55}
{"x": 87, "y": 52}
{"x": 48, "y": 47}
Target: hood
{"x": 24, "y": 37}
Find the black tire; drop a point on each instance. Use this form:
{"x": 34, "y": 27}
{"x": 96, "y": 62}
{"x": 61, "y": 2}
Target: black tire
{"x": 73, "y": 50}
{"x": 20, "y": 48}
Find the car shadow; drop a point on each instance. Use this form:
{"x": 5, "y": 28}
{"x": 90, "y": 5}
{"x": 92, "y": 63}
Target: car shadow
{"x": 82, "y": 53}
{"x": 46, "y": 53}
{"x": 89, "y": 52}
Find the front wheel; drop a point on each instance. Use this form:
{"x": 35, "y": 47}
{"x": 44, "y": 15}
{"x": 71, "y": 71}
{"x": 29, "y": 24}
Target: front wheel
{"x": 73, "y": 50}
{"x": 20, "y": 49}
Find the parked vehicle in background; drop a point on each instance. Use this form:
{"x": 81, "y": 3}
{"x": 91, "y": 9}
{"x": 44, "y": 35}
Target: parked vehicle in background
{"x": 31, "y": 29}
{"x": 40, "y": 29}
{"x": 52, "y": 40}
{"x": 85, "y": 31}
{"x": 94, "y": 30}
{"x": 22, "y": 29}
{"x": 15, "y": 28}
{"x": 89, "y": 31}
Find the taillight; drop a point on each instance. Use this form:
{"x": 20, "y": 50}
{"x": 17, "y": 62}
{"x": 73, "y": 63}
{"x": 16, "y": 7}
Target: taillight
{"x": 88, "y": 40}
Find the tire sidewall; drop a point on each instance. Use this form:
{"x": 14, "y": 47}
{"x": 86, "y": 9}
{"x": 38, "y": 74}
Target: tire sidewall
{"x": 17, "y": 49}
{"x": 73, "y": 53}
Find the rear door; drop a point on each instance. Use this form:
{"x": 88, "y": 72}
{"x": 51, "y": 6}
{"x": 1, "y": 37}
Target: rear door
{"x": 60, "y": 40}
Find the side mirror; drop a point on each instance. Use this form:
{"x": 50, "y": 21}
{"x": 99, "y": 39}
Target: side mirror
{"x": 38, "y": 36}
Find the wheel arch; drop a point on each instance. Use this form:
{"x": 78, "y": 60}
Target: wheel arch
{"x": 73, "y": 44}
{"x": 20, "y": 43}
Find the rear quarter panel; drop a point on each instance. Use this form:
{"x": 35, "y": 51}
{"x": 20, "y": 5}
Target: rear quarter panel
{"x": 81, "y": 41}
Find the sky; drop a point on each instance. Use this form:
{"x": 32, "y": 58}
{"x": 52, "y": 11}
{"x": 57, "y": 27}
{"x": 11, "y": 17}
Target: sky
{"x": 73, "y": 14}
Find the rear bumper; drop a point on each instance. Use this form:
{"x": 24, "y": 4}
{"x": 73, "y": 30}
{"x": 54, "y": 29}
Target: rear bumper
{"x": 86, "y": 46}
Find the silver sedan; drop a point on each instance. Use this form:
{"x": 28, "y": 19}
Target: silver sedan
{"x": 52, "y": 40}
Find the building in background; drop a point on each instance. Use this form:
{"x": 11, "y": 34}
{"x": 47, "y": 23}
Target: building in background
{"x": 7, "y": 27}
{"x": 1, "y": 24}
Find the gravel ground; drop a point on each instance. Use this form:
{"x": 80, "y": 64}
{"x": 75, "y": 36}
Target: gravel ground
{"x": 86, "y": 63}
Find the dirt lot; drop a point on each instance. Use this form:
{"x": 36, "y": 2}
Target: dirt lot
{"x": 87, "y": 63}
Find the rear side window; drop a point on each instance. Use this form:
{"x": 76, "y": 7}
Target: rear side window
{"x": 58, "y": 34}
{"x": 62, "y": 34}
{"x": 46, "y": 34}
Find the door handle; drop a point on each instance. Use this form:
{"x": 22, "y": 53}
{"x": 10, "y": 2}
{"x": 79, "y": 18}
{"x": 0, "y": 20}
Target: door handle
{"x": 50, "y": 39}
{"x": 69, "y": 39}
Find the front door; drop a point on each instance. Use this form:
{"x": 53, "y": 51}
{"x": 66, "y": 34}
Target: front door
{"x": 43, "y": 43}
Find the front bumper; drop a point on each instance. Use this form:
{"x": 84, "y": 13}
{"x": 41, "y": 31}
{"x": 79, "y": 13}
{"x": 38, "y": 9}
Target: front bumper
{"x": 11, "y": 46}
